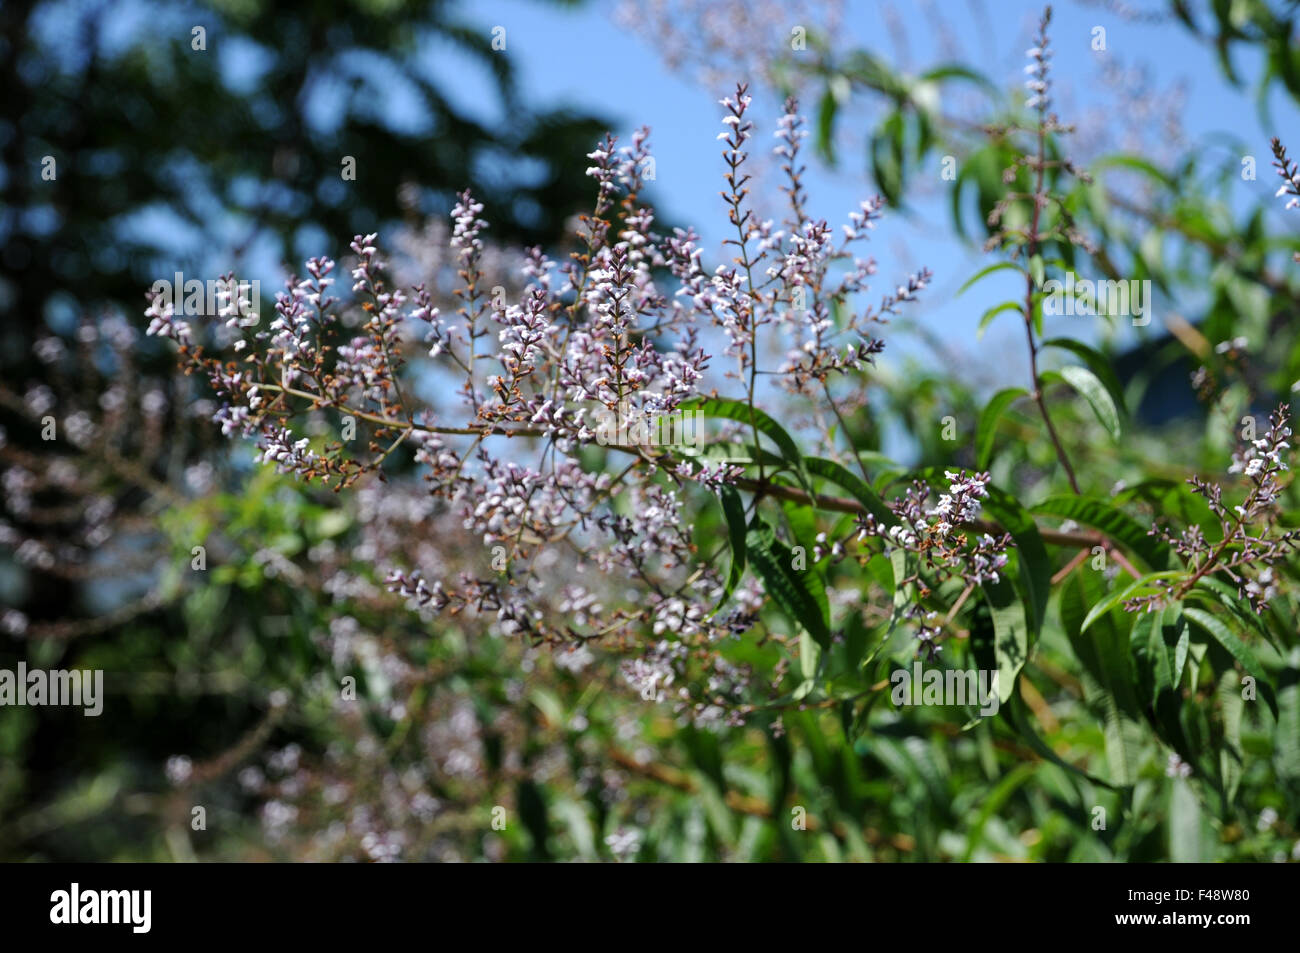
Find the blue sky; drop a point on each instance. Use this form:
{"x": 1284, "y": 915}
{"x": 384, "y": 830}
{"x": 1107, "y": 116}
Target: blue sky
{"x": 556, "y": 51}
{"x": 578, "y": 56}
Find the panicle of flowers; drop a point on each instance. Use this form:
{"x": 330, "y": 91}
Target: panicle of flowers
{"x": 165, "y": 323}
{"x": 791, "y": 133}
{"x": 1039, "y": 68}
{"x": 466, "y": 227}
{"x": 1289, "y": 172}
{"x": 735, "y": 289}
{"x": 1051, "y": 219}
{"x": 289, "y": 456}
{"x": 235, "y": 305}
{"x": 527, "y": 327}
{"x": 605, "y": 172}
{"x": 1251, "y": 543}
{"x": 940, "y": 550}
{"x": 961, "y": 504}
{"x": 544, "y": 356}
{"x": 654, "y": 672}
{"x": 801, "y": 277}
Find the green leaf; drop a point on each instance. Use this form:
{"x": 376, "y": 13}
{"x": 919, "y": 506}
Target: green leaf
{"x": 987, "y": 318}
{"x": 1094, "y": 392}
{"x": 986, "y": 430}
{"x": 1017, "y": 716}
{"x": 903, "y": 594}
{"x": 531, "y": 804}
{"x": 826, "y": 127}
{"x": 800, "y": 518}
{"x": 1151, "y": 644}
{"x": 1231, "y": 756}
{"x": 1139, "y": 587}
{"x": 1010, "y": 634}
{"x": 810, "y": 656}
{"x": 1108, "y": 683}
{"x": 857, "y": 487}
{"x": 738, "y": 453}
{"x": 1180, "y": 654}
{"x": 1286, "y": 746}
{"x": 734, "y": 510}
{"x": 1216, "y": 591}
{"x": 738, "y": 410}
{"x": 1097, "y": 363}
{"x": 887, "y": 151}
{"x": 1185, "y": 824}
{"x": 1115, "y": 524}
{"x": 800, "y": 595}
{"x": 984, "y": 272}
{"x": 992, "y": 803}
{"x": 1238, "y": 649}
{"x": 578, "y": 824}
{"x": 1135, "y": 164}
{"x": 874, "y": 72}
{"x": 1151, "y": 631}
{"x": 1035, "y": 568}
{"x": 956, "y": 71}
{"x": 853, "y": 646}
{"x": 1037, "y": 270}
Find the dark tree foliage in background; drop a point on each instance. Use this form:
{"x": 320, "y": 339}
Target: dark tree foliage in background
{"x": 167, "y": 158}
{"x": 150, "y": 125}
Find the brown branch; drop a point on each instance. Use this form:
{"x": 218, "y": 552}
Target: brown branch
{"x": 794, "y": 495}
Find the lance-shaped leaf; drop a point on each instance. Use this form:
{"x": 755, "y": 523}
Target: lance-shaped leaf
{"x": 1286, "y": 745}
{"x": 987, "y": 317}
{"x": 991, "y": 269}
{"x": 858, "y": 488}
{"x": 739, "y": 411}
{"x": 1138, "y": 587}
{"x": 1095, "y": 393}
{"x": 1097, "y": 363}
{"x": 1006, "y": 647}
{"x": 1108, "y": 683}
{"x": 1017, "y": 716}
{"x": 987, "y": 428}
{"x": 734, "y": 510}
{"x": 1231, "y": 755}
{"x": 1239, "y": 650}
{"x": 1116, "y": 524}
{"x": 1034, "y": 572}
{"x": 1153, "y": 644}
{"x": 799, "y": 594}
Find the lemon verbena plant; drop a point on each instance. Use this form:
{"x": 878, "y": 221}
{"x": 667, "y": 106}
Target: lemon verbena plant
{"x": 658, "y": 451}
